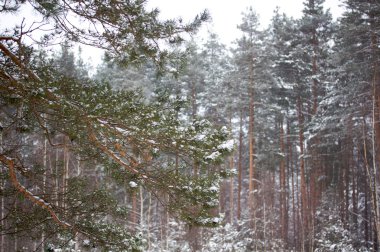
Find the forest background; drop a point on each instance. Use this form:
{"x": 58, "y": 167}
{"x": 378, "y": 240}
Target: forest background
{"x": 175, "y": 145}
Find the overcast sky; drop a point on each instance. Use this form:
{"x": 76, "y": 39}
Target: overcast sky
{"x": 226, "y": 14}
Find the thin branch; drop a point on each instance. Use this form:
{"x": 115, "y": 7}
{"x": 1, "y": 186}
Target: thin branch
{"x": 9, "y": 38}
{"x": 34, "y": 199}
{"x": 111, "y": 154}
{"x": 18, "y": 62}
{"x": 45, "y": 129}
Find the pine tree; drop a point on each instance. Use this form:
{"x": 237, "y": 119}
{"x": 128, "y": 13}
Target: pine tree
{"x": 118, "y": 133}
{"x": 246, "y": 47}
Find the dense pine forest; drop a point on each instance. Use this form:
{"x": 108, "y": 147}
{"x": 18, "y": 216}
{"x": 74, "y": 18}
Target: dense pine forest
{"x": 172, "y": 144}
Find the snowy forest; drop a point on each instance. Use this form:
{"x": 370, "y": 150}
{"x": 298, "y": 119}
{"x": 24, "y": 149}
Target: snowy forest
{"x": 172, "y": 144}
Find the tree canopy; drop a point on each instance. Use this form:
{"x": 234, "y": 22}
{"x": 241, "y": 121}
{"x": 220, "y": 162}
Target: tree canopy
{"x": 135, "y": 140}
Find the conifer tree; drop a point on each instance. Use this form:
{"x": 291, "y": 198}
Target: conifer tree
{"x": 118, "y": 133}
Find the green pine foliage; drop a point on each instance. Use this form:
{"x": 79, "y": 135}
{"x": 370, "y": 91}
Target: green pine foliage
{"x": 76, "y": 143}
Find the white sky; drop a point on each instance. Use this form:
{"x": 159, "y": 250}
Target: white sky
{"x": 226, "y": 14}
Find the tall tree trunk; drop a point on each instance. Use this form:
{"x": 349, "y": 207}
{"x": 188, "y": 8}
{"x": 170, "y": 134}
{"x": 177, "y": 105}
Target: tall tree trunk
{"x": 194, "y": 114}
{"x": 283, "y": 208}
{"x": 141, "y": 193}
{"x": 79, "y": 171}
{"x": 15, "y": 236}
{"x": 304, "y": 201}
{"x": 195, "y": 242}
{"x": 223, "y": 195}
{"x": 354, "y": 197}
{"x": 293, "y": 187}
{"x": 375, "y": 117}
{"x": 66, "y": 163}
{"x": 149, "y": 220}
{"x": 45, "y": 167}
{"x": 193, "y": 100}
{"x": 366, "y": 211}
{"x": 315, "y": 190}
{"x": 299, "y": 208}
{"x": 354, "y": 179}
{"x": 231, "y": 220}
{"x": 251, "y": 139}
{"x": 57, "y": 197}
{"x": 340, "y": 181}
{"x": 347, "y": 187}
{"x": 287, "y": 186}
{"x": 251, "y": 133}
{"x": 240, "y": 167}
{"x": 134, "y": 211}
{"x": 315, "y": 72}
{"x": 372, "y": 173}
{"x": 2, "y": 185}
{"x": 232, "y": 190}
